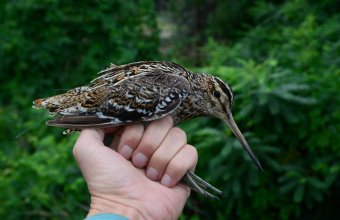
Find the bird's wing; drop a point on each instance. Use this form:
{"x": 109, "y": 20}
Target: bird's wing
{"x": 141, "y": 98}
{"x": 114, "y": 74}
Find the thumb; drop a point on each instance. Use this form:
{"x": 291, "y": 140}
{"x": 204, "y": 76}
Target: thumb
{"x": 88, "y": 141}
{"x": 91, "y": 154}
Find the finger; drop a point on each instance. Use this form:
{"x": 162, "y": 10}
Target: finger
{"x": 171, "y": 145}
{"x": 185, "y": 160}
{"x": 151, "y": 140}
{"x": 129, "y": 140}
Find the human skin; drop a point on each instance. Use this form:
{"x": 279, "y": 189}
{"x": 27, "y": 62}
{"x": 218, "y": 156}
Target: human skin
{"x": 137, "y": 175}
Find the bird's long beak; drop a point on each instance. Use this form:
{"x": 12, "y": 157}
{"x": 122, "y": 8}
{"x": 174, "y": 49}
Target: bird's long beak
{"x": 231, "y": 122}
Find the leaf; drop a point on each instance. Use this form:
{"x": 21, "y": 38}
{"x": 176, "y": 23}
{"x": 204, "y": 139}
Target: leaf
{"x": 292, "y": 87}
{"x": 298, "y": 194}
{"x": 274, "y": 107}
{"x": 317, "y": 195}
{"x": 316, "y": 183}
{"x": 294, "y": 98}
{"x": 288, "y": 186}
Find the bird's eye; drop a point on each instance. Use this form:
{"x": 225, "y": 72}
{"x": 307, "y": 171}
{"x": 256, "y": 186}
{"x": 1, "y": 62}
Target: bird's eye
{"x": 217, "y": 94}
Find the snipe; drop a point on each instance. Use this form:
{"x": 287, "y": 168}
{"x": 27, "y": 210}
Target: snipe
{"x": 143, "y": 92}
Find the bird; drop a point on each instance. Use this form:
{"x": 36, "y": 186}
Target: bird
{"x": 144, "y": 91}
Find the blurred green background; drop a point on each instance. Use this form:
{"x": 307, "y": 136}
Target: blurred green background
{"x": 282, "y": 59}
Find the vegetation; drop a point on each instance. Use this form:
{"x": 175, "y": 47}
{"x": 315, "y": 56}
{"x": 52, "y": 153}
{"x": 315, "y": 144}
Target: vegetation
{"x": 280, "y": 57}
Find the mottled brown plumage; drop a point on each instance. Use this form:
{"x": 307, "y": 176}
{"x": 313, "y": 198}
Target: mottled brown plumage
{"x": 143, "y": 92}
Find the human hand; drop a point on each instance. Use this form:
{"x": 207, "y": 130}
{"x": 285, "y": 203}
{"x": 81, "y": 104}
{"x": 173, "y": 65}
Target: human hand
{"x": 120, "y": 186}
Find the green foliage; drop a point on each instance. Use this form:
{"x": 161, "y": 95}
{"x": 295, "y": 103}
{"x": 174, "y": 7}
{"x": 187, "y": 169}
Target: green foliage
{"x": 51, "y": 43}
{"x": 197, "y": 20}
{"x": 285, "y": 75}
{"x": 44, "y": 184}
{"x": 272, "y": 104}
{"x": 45, "y": 47}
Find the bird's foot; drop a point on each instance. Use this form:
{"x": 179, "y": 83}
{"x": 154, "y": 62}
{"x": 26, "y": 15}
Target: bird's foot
{"x": 201, "y": 186}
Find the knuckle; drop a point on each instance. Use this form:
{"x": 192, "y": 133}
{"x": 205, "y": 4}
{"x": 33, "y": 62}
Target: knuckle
{"x": 159, "y": 161}
{"x": 179, "y": 133}
{"x": 132, "y": 134}
{"x": 166, "y": 121}
{"x": 169, "y": 120}
{"x": 175, "y": 170}
{"x": 192, "y": 156}
{"x": 192, "y": 151}
{"x": 147, "y": 146}
{"x": 77, "y": 145}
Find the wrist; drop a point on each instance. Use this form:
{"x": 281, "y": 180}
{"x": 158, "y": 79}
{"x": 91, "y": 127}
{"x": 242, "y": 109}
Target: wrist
{"x": 101, "y": 205}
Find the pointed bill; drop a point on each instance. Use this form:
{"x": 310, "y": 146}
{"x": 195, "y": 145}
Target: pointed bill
{"x": 231, "y": 122}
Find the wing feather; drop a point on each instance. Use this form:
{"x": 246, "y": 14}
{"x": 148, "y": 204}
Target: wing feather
{"x": 144, "y": 97}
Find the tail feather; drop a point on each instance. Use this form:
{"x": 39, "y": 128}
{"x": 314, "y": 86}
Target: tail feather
{"x": 58, "y": 103}
{"x": 38, "y": 103}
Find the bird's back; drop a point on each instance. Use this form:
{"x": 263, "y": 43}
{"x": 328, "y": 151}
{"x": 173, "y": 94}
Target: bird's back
{"x": 135, "y": 92}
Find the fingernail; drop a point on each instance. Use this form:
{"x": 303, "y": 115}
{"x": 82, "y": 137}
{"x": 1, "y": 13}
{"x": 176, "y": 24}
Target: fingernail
{"x": 166, "y": 180}
{"x": 152, "y": 173}
{"x": 139, "y": 160}
{"x": 126, "y": 151}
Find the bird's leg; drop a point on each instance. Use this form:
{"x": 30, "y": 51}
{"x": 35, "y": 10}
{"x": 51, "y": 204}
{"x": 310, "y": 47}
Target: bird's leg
{"x": 199, "y": 185}
{"x": 70, "y": 131}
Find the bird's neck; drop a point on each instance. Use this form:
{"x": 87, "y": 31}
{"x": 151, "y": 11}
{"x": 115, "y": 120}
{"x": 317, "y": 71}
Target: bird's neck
{"x": 195, "y": 105}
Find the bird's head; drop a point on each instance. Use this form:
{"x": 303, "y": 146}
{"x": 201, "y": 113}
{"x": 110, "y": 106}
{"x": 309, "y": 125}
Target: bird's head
{"x": 221, "y": 99}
